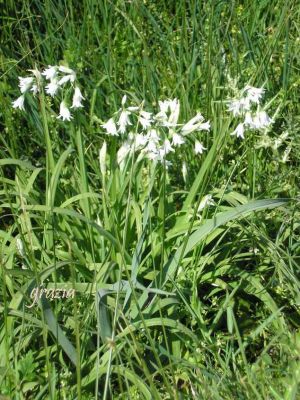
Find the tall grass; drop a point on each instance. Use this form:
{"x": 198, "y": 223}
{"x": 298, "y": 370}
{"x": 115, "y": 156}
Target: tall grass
{"x": 171, "y": 302}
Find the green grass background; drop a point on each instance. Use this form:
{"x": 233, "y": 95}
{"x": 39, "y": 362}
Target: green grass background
{"x": 220, "y": 321}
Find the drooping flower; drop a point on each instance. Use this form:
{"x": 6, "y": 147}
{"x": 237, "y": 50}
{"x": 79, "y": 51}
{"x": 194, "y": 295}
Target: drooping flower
{"x": 261, "y": 120}
{"x": 124, "y": 121}
{"x": 34, "y": 89}
{"x": 145, "y": 119}
{"x": 174, "y": 112}
{"x": 239, "y": 131}
{"x": 19, "y": 103}
{"x": 177, "y": 140}
{"x": 77, "y": 98}
{"x": 70, "y": 75}
{"x": 110, "y": 127}
{"x": 204, "y": 127}
{"x": 239, "y": 106}
{"x": 254, "y": 94}
{"x": 25, "y": 83}
{"x": 165, "y": 148}
{"x": 52, "y": 87}
{"x": 199, "y": 148}
{"x": 248, "y": 120}
{"x": 50, "y": 72}
{"x": 207, "y": 200}
{"x": 66, "y": 70}
{"x": 193, "y": 124}
{"x": 153, "y": 135}
{"x": 140, "y": 140}
{"x": 64, "y": 112}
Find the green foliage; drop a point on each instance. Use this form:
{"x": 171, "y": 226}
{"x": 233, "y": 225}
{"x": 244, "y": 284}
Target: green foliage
{"x": 172, "y": 301}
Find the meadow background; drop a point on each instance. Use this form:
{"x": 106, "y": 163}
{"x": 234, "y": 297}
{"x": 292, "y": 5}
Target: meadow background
{"x": 172, "y": 301}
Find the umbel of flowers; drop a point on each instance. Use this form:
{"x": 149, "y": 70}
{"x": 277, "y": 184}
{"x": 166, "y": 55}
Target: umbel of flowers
{"x": 155, "y": 135}
{"x": 54, "y": 79}
{"x": 247, "y": 107}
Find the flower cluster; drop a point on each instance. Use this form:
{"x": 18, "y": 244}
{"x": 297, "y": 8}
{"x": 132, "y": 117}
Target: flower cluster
{"x": 58, "y": 79}
{"x": 247, "y": 107}
{"x": 156, "y": 134}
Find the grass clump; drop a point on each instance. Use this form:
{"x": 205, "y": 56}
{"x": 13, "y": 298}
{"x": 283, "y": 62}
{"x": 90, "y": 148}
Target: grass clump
{"x": 150, "y": 163}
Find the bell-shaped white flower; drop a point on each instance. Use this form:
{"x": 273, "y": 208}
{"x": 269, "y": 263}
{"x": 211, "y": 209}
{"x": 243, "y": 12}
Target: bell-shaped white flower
{"x": 239, "y": 131}
{"x": 64, "y": 112}
{"x": 153, "y": 135}
{"x": 177, "y": 140}
{"x": 140, "y": 140}
{"x": 248, "y": 120}
{"x": 66, "y": 70}
{"x": 199, "y": 148}
{"x": 77, "y": 98}
{"x": 174, "y": 112}
{"x": 52, "y": 87}
{"x": 262, "y": 120}
{"x": 165, "y": 148}
{"x": 145, "y": 119}
{"x": 207, "y": 200}
{"x": 19, "y": 103}
{"x": 34, "y": 89}
{"x": 193, "y": 124}
{"x": 254, "y": 94}
{"x": 50, "y": 72}
{"x": 110, "y": 127}
{"x": 25, "y": 83}
{"x": 239, "y": 106}
{"x": 124, "y": 121}
{"x": 205, "y": 126}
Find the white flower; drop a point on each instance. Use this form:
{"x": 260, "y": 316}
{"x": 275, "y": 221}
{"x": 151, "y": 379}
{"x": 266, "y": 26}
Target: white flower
{"x": 192, "y": 124}
{"x": 199, "y": 148}
{"x": 19, "y": 103}
{"x": 25, "y": 83}
{"x": 123, "y": 151}
{"x": 262, "y": 120}
{"x": 248, "y": 120}
{"x": 177, "y": 139}
{"x": 174, "y": 112}
{"x": 152, "y": 147}
{"x": 124, "y": 121}
{"x": 204, "y": 127}
{"x": 239, "y": 131}
{"x": 77, "y": 97}
{"x": 64, "y": 112}
{"x": 50, "y": 72}
{"x": 66, "y": 79}
{"x": 124, "y": 98}
{"x": 52, "y": 87}
{"x": 133, "y": 108}
{"x": 206, "y": 201}
{"x": 166, "y": 148}
{"x": 153, "y": 136}
{"x": 140, "y": 140}
{"x": 66, "y": 70}
{"x": 254, "y": 94}
{"x": 34, "y": 89}
{"x": 164, "y": 106}
{"x": 145, "y": 119}
{"x": 110, "y": 127}
{"x": 238, "y": 106}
